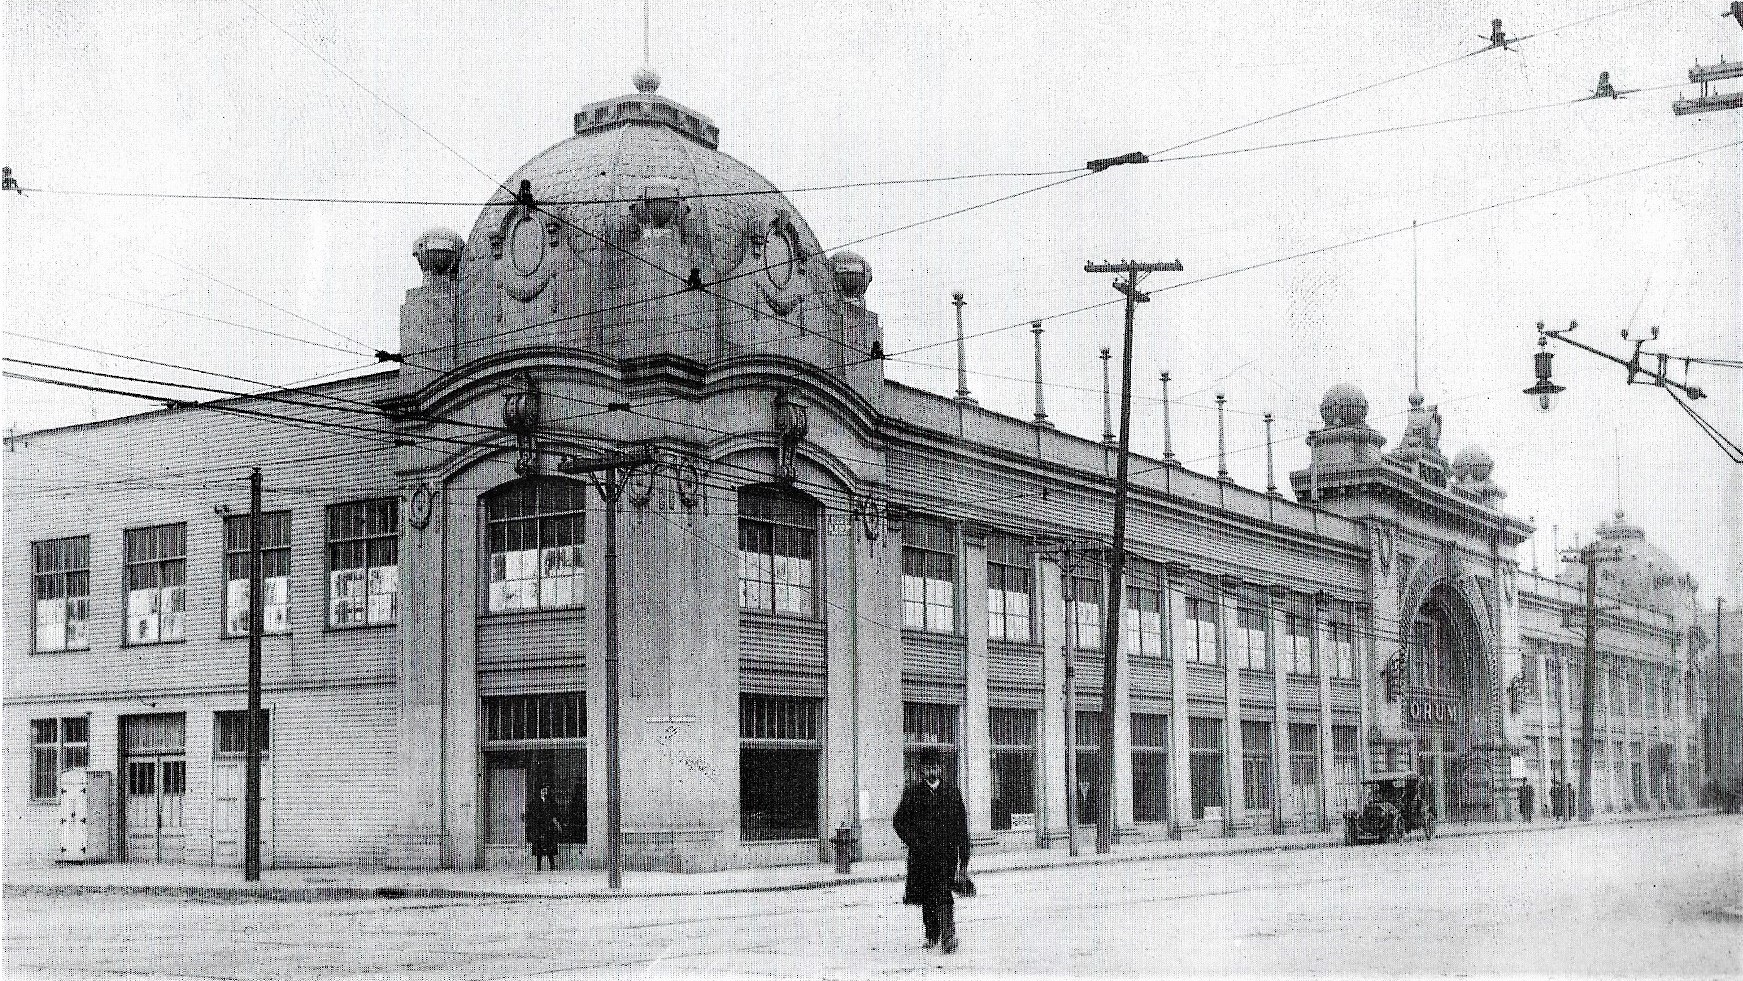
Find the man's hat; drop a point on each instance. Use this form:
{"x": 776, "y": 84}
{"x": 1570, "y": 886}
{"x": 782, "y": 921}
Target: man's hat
{"x": 928, "y": 757}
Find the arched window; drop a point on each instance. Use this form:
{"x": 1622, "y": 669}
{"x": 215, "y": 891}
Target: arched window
{"x": 777, "y": 548}
{"x": 534, "y": 531}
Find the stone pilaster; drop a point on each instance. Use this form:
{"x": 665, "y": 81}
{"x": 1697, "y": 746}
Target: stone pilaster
{"x": 976, "y": 738}
{"x": 1053, "y": 798}
{"x": 1285, "y": 806}
{"x": 1235, "y": 818}
{"x": 1181, "y": 823}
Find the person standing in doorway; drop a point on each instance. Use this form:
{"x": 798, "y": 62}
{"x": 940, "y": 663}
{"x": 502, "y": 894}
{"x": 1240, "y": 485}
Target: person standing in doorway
{"x": 933, "y": 823}
{"x": 1527, "y": 801}
{"x": 544, "y": 825}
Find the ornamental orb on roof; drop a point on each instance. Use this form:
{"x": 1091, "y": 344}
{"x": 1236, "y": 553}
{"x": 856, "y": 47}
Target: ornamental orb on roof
{"x": 1474, "y": 464}
{"x": 438, "y": 252}
{"x": 1344, "y": 405}
{"x": 853, "y": 274}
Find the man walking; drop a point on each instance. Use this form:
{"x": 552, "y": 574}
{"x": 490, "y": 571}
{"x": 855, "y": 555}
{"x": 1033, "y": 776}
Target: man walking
{"x": 1527, "y": 801}
{"x": 933, "y": 823}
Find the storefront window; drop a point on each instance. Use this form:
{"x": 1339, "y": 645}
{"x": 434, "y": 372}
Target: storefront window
{"x": 928, "y": 727}
{"x": 1256, "y": 764}
{"x": 1013, "y": 768}
{"x": 1149, "y": 767}
{"x": 1206, "y": 744}
{"x": 779, "y": 767}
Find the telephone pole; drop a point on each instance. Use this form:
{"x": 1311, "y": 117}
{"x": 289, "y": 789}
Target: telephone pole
{"x": 1114, "y": 603}
{"x": 1589, "y": 556}
{"x": 1718, "y": 707}
{"x": 252, "y": 729}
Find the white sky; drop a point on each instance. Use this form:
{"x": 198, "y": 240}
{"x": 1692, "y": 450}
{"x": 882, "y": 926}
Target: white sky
{"x": 212, "y": 97}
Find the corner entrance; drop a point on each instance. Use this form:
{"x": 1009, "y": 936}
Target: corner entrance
{"x": 1445, "y": 711}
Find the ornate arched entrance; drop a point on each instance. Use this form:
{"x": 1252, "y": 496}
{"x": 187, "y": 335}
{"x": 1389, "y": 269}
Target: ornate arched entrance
{"x": 1448, "y": 709}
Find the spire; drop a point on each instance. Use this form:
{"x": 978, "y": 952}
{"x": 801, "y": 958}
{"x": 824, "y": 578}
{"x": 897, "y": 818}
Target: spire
{"x": 1167, "y": 426}
{"x": 962, "y": 395}
{"x": 1222, "y": 456}
{"x": 1040, "y": 402}
{"x": 1415, "y": 326}
{"x": 1270, "y": 462}
{"x": 1107, "y": 405}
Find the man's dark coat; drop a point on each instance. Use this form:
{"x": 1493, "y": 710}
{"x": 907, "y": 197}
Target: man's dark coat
{"x": 934, "y": 826}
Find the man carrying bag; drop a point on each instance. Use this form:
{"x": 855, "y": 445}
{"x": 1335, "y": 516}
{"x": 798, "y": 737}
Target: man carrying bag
{"x": 932, "y": 821}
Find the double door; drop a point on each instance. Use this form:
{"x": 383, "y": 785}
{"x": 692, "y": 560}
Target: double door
{"x": 154, "y": 786}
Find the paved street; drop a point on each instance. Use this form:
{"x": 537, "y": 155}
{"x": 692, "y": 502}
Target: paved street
{"x": 1654, "y": 898}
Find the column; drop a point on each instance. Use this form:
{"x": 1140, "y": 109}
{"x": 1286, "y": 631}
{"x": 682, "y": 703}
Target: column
{"x": 1051, "y": 796}
{"x": 1122, "y": 716}
{"x": 1181, "y": 824}
{"x": 1235, "y": 819}
{"x": 419, "y": 837}
{"x": 1366, "y": 642}
{"x": 1286, "y": 813}
{"x": 976, "y": 740}
{"x": 1569, "y": 774}
{"x": 878, "y": 670}
{"x": 1327, "y": 768}
{"x": 1541, "y": 797}
{"x": 1679, "y": 719}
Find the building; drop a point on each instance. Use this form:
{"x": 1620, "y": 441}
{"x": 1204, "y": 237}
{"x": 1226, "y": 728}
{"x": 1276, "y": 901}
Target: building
{"x": 819, "y": 572}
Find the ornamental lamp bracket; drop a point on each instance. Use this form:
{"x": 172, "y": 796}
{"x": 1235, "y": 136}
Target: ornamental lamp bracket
{"x": 520, "y": 415}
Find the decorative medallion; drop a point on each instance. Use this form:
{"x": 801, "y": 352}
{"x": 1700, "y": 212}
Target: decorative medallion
{"x": 423, "y": 505}
{"x": 525, "y": 246}
{"x": 781, "y": 280}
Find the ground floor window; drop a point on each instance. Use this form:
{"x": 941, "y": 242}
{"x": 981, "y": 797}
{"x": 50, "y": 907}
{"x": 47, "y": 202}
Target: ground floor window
{"x": 1206, "y": 744}
{"x": 1013, "y": 768}
{"x": 779, "y": 767}
{"x": 1346, "y": 761}
{"x": 1304, "y": 767}
{"x": 533, "y": 741}
{"x": 56, "y": 745}
{"x": 1149, "y": 767}
{"x": 929, "y": 727}
{"x": 1256, "y": 765}
{"x": 1088, "y": 765}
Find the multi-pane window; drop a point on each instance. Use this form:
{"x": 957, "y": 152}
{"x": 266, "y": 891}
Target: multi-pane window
{"x": 1341, "y": 633}
{"x": 61, "y": 570}
{"x": 1142, "y": 618}
{"x": 928, "y": 727}
{"x": 1346, "y": 761}
{"x": 56, "y": 745}
{"x": 531, "y": 741}
{"x": 1247, "y": 639}
{"x": 534, "y": 530}
{"x": 1552, "y": 678}
{"x": 1088, "y": 765}
{"x": 1304, "y": 759}
{"x": 779, "y": 759}
{"x": 1256, "y": 764}
{"x": 157, "y": 575}
{"x": 777, "y": 549}
{"x": 928, "y": 576}
{"x": 1084, "y": 622}
{"x": 1195, "y": 636}
{"x": 230, "y": 732}
{"x": 275, "y": 532}
{"x": 1205, "y": 741}
{"x": 363, "y": 563}
{"x": 1149, "y": 767}
{"x": 1430, "y": 657}
{"x": 1013, "y": 768}
{"x": 1297, "y": 639}
{"x": 1009, "y": 584}
{"x": 1528, "y": 674}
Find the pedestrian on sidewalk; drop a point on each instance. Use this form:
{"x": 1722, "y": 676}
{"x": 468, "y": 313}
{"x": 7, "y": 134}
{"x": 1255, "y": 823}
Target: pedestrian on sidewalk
{"x": 544, "y": 826}
{"x": 933, "y": 823}
{"x": 1527, "y": 801}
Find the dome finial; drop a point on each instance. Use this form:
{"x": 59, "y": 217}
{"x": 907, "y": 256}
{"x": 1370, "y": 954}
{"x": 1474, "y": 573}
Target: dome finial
{"x": 647, "y": 81}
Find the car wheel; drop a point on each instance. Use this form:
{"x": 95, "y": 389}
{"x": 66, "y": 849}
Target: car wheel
{"x": 1428, "y": 829}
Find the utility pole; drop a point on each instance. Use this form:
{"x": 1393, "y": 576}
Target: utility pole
{"x": 1718, "y": 708}
{"x": 252, "y": 729}
{"x": 1114, "y": 602}
{"x": 1589, "y": 556}
{"x": 609, "y": 474}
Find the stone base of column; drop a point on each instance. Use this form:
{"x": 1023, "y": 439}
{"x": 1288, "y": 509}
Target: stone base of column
{"x": 1184, "y": 831}
{"x": 415, "y": 850}
{"x": 1241, "y": 828}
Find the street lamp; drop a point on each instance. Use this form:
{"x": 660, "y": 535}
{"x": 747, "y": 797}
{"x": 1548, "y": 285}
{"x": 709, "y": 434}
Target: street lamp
{"x": 1545, "y": 389}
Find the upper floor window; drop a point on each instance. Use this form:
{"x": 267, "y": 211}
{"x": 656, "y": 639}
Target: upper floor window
{"x": 928, "y": 576}
{"x": 1248, "y": 637}
{"x": 777, "y": 549}
{"x": 157, "y": 575}
{"x": 1341, "y": 632}
{"x": 1195, "y": 640}
{"x": 1142, "y": 619}
{"x": 534, "y": 532}
{"x": 1528, "y": 674}
{"x": 1084, "y": 621}
{"x": 363, "y": 563}
{"x": 1298, "y": 639}
{"x": 275, "y": 531}
{"x": 1008, "y": 587}
{"x": 61, "y": 569}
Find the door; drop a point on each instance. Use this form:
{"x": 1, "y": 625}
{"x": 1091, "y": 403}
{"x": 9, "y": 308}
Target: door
{"x": 228, "y": 812}
{"x": 154, "y": 787}
{"x": 505, "y": 828}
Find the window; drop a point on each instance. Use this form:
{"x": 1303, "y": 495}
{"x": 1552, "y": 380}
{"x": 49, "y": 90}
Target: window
{"x": 1142, "y": 619}
{"x": 1342, "y": 631}
{"x": 1085, "y": 623}
{"x": 777, "y": 548}
{"x": 56, "y": 745}
{"x": 535, "y": 530}
{"x": 778, "y": 767}
{"x": 1298, "y": 639}
{"x": 1205, "y": 740}
{"x": 1552, "y": 677}
{"x": 1304, "y": 758}
{"x": 1652, "y": 686}
{"x": 230, "y": 732}
{"x": 1008, "y": 588}
{"x": 1576, "y": 678}
{"x": 928, "y": 727}
{"x": 928, "y": 576}
{"x": 1248, "y": 637}
{"x": 1149, "y": 767}
{"x": 1195, "y": 640}
{"x": 363, "y": 563}
{"x": 275, "y": 531}
{"x": 157, "y": 570}
{"x": 62, "y": 571}
{"x": 1013, "y": 768}
{"x": 532, "y": 741}
{"x": 1256, "y": 764}
{"x": 1528, "y": 672}
{"x": 1346, "y": 761}
{"x": 1088, "y": 765}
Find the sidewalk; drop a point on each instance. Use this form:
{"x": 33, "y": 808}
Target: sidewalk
{"x": 194, "y": 881}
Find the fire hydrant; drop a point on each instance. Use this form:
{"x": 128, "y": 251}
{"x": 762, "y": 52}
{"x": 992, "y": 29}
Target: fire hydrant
{"x": 843, "y": 849}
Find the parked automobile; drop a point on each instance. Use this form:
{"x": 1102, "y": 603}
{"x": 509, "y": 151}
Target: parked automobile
{"x": 1394, "y": 807}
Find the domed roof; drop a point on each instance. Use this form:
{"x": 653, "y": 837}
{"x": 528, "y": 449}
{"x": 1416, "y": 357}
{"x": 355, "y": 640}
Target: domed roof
{"x": 1344, "y": 405}
{"x": 1473, "y": 463}
{"x": 1645, "y": 574}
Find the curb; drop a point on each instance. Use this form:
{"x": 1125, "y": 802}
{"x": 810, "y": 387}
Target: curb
{"x": 335, "y": 893}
